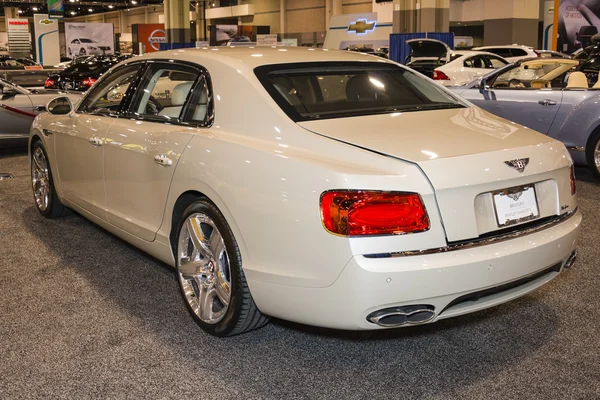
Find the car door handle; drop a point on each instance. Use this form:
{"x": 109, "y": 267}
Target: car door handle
{"x": 96, "y": 141}
{"x": 162, "y": 159}
{"x": 39, "y": 109}
{"x": 547, "y": 102}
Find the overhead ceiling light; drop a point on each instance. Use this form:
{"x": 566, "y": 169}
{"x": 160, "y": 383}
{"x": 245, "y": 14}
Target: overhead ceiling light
{"x": 34, "y": 8}
{"x": 73, "y": 12}
{"x": 133, "y": 2}
{"x": 111, "y": 6}
{"x": 72, "y": 1}
{"x": 90, "y": 9}
{"x": 20, "y": 11}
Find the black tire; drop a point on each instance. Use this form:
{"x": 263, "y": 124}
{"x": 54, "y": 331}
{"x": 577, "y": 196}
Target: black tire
{"x": 590, "y": 149}
{"x": 242, "y": 315}
{"x": 54, "y": 207}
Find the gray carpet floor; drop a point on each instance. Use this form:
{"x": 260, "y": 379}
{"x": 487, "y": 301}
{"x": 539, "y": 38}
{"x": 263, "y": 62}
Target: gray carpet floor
{"x": 85, "y": 315}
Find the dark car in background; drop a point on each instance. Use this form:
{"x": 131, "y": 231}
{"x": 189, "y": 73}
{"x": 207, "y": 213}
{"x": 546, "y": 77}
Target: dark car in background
{"x": 82, "y": 75}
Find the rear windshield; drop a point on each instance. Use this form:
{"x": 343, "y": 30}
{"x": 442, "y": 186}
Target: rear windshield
{"x": 308, "y": 91}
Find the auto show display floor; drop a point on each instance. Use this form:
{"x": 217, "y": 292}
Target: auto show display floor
{"x": 83, "y": 314}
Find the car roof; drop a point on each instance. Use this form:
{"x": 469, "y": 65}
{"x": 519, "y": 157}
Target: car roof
{"x": 506, "y": 46}
{"x": 255, "y": 56}
{"x": 473, "y": 53}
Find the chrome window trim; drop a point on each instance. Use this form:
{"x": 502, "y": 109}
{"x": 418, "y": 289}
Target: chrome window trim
{"x": 576, "y": 148}
{"x": 478, "y": 242}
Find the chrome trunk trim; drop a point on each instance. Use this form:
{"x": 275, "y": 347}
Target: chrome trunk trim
{"x": 478, "y": 242}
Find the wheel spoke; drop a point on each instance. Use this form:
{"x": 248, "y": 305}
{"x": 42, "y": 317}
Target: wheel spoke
{"x": 197, "y": 236}
{"x": 36, "y": 161}
{"x": 222, "y": 288}
{"x": 206, "y": 299}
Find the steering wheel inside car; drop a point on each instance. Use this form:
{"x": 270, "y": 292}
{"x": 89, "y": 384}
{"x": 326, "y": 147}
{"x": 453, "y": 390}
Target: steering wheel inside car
{"x": 153, "y": 106}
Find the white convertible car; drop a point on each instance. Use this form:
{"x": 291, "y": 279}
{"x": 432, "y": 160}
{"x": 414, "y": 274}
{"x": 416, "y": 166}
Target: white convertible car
{"x": 324, "y": 187}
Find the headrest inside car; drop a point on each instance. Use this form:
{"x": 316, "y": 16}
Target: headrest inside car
{"x": 182, "y": 76}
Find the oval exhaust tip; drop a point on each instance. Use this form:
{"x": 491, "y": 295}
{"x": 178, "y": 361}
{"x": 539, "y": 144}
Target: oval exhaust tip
{"x": 405, "y": 315}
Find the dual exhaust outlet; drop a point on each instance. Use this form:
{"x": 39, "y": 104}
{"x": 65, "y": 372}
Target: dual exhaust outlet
{"x": 422, "y": 313}
{"x": 407, "y": 315}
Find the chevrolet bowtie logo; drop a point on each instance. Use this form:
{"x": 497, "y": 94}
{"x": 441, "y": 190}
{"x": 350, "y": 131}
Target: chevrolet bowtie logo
{"x": 362, "y": 26}
{"x": 46, "y": 21}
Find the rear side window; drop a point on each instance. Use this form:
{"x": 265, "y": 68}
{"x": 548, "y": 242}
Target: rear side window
{"x": 500, "y": 51}
{"x": 307, "y": 91}
{"x": 518, "y": 52}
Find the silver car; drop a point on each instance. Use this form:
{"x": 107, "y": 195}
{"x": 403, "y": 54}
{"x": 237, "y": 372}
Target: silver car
{"x": 545, "y": 94}
{"x": 18, "y": 108}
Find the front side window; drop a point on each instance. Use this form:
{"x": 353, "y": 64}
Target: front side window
{"x": 107, "y": 96}
{"x": 308, "y": 91}
{"x": 163, "y": 92}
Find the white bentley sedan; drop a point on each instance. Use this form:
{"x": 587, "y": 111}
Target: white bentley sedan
{"x": 323, "y": 187}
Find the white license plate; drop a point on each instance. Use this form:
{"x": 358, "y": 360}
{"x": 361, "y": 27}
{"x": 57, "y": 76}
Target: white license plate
{"x": 515, "y": 205}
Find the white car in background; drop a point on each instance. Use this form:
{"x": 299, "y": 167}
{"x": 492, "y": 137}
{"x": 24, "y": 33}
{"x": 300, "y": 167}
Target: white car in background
{"x": 329, "y": 188}
{"x": 511, "y": 53}
{"x": 84, "y": 47}
{"x": 464, "y": 66}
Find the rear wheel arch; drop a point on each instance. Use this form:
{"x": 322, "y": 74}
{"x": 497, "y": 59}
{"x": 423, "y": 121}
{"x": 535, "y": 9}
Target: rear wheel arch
{"x": 188, "y": 197}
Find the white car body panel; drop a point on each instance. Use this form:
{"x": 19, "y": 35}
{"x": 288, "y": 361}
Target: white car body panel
{"x": 266, "y": 174}
{"x": 529, "y": 50}
{"x": 458, "y": 73}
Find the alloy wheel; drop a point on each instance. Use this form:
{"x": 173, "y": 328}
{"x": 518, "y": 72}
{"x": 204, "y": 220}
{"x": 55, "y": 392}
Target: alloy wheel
{"x": 597, "y": 156}
{"x": 203, "y": 268}
{"x": 40, "y": 177}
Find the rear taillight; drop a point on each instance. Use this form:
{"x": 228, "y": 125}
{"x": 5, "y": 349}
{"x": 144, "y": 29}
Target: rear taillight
{"x": 573, "y": 185}
{"x": 49, "y": 83}
{"x": 537, "y": 53}
{"x": 440, "y": 76}
{"x": 88, "y": 82}
{"x": 363, "y": 213}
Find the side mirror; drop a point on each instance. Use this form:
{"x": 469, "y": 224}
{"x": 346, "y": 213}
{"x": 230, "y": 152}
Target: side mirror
{"x": 483, "y": 87}
{"x": 8, "y": 91}
{"x": 60, "y": 106}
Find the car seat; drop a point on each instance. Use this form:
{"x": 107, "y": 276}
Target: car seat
{"x": 180, "y": 93}
{"x": 360, "y": 88}
{"x": 577, "y": 80}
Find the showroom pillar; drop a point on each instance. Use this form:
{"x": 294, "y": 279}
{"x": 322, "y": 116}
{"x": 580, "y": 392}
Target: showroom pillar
{"x": 421, "y": 16}
{"x": 332, "y": 7}
{"x": 511, "y": 21}
{"x": 282, "y": 17}
{"x": 177, "y": 21}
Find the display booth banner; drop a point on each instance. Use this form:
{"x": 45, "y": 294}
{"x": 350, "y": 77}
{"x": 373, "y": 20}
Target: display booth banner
{"x": 221, "y": 35}
{"x": 19, "y": 41}
{"x": 578, "y": 21}
{"x": 349, "y": 31}
{"x": 84, "y": 39}
{"x": 56, "y": 9}
{"x": 47, "y": 43}
{"x": 266, "y": 40}
{"x": 148, "y": 37}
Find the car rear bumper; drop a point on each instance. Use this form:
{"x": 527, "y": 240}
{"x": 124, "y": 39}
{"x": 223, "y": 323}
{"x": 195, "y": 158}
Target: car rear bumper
{"x": 452, "y": 283}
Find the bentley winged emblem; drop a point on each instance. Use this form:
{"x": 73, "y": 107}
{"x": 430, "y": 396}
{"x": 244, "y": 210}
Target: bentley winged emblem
{"x": 515, "y": 196}
{"x": 519, "y": 164}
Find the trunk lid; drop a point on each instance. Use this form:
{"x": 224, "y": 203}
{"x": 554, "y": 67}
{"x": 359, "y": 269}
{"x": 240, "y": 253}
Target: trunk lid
{"x": 463, "y": 152}
{"x": 428, "y": 48}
